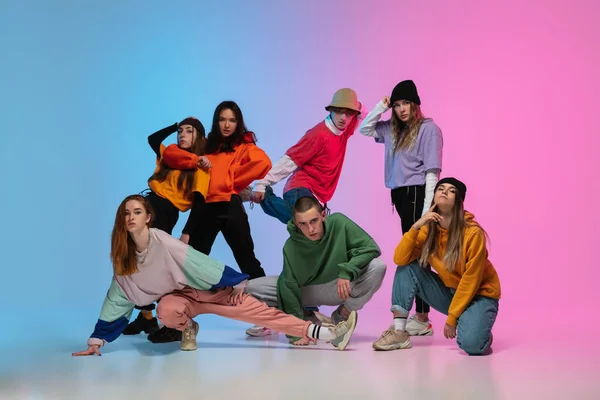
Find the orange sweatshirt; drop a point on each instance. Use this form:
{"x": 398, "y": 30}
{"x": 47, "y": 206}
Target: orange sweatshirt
{"x": 474, "y": 274}
{"x": 233, "y": 172}
{"x": 178, "y": 160}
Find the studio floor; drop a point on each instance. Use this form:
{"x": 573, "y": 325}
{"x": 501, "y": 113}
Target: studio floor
{"x": 229, "y": 365}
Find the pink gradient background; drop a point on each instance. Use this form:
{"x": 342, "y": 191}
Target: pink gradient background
{"x": 513, "y": 86}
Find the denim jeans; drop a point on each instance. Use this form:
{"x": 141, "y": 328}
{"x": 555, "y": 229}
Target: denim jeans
{"x": 282, "y": 208}
{"x": 474, "y": 324}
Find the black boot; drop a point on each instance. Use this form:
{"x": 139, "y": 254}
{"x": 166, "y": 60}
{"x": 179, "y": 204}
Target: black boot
{"x": 165, "y": 335}
{"x": 141, "y": 324}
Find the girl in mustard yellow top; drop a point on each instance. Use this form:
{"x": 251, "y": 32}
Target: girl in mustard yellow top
{"x": 179, "y": 183}
{"x": 466, "y": 287}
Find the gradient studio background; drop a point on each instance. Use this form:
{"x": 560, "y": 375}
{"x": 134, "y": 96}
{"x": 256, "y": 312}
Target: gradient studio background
{"x": 512, "y": 84}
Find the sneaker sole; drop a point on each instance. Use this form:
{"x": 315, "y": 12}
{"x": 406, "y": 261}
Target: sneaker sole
{"x": 397, "y": 346}
{"x": 346, "y": 339}
{"x": 426, "y": 332}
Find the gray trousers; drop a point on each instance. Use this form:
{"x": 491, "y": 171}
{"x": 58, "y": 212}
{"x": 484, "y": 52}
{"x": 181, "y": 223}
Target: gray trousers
{"x": 363, "y": 288}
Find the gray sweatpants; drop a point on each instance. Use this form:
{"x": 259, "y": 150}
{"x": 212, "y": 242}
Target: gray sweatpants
{"x": 363, "y": 288}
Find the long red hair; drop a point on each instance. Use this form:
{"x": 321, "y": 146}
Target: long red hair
{"x": 122, "y": 246}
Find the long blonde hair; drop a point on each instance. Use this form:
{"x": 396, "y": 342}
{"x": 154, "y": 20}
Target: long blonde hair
{"x": 456, "y": 233}
{"x": 405, "y": 135}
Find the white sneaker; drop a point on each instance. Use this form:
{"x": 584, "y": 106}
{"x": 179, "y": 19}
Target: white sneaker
{"x": 344, "y": 331}
{"x": 414, "y": 327}
{"x": 259, "y": 331}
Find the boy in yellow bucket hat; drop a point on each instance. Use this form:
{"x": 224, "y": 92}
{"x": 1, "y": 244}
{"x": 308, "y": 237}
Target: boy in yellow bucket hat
{"x": 315, "y": 162}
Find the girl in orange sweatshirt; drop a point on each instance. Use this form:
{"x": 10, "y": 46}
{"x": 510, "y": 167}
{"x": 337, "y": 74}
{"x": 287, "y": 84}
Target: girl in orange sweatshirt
{"x": 466, "y": 286}
{"x": 236, "y": 163}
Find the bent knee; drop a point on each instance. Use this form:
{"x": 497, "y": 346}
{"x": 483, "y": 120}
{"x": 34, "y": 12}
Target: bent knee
{"x": 473, "y": 346}
{"x": 170, "y": 305}
{"x": 377, "y": 267}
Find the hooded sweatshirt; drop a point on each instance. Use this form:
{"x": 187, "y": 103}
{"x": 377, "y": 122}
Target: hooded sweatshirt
{"x": 343, "y": 252}
{"x": 234, "y": 171}
{"x": 473, "y": 275}
{"x": 179, "y": 159}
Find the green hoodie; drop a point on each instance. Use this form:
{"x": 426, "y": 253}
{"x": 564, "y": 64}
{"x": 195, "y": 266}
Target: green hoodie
{"x": 343, "y": 251}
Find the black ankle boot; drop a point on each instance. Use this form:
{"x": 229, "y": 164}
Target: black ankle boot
{"x": 165, "y": 335}
{"x": 141, "y": 324}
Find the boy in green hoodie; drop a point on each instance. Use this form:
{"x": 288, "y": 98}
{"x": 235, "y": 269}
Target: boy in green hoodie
{"x": 328, "y": 260}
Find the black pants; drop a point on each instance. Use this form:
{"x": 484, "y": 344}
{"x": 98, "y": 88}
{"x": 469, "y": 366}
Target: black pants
{"x": 165, "y": 217}
{"x": 165, "y": 213}
{"x": 409, "y": 201}
{"x": 229, "y": 218}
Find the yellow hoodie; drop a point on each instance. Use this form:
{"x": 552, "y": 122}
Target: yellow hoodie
{"x": 473, "y": 275}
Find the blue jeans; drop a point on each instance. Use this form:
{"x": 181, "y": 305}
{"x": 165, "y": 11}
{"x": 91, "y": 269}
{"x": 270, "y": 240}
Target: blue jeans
{"x": 474, "y": 324}
{"x": 282, "y": 209}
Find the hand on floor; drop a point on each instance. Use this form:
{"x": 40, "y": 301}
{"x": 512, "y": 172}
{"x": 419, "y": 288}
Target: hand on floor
{"x": 305, "y": 341}
{"x": 91, "y": 350}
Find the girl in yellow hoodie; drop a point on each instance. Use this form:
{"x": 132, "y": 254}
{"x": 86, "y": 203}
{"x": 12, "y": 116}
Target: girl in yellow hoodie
{"x": 466, "y": 286}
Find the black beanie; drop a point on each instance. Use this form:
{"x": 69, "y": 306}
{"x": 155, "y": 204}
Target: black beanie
{"x": 196, "y": 124}
{"x": 461, "y": 187}
{"x": 405, "y": 90}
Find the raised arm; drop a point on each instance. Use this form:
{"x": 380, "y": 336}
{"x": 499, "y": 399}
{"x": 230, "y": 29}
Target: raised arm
{"x": 158, "y": 137}
{"x": 371, "y": 126}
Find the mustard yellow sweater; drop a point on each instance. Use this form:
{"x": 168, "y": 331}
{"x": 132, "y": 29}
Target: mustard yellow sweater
{"x": 473, "y": 275}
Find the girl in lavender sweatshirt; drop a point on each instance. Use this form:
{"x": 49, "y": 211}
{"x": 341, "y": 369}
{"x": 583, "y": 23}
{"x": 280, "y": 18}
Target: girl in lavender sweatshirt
{"x": 413, "y": 161}
{"x": 151, "y": 265}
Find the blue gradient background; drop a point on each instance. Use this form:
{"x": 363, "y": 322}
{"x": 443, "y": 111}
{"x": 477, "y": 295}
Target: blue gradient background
{"x": 83, "y": 84}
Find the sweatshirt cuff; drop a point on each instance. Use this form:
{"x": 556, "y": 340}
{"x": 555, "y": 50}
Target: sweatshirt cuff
{"x": 242, "y": 285}
{"x": 95, "y": 342}
{"x": 259, "y": 187}
{"x": 381, "y": 108}
{"x": 345, "y": 275}
{"x": 451, "y": 320}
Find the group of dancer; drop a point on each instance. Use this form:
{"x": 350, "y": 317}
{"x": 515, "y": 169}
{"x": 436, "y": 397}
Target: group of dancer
{"x": 328, "y": 260}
